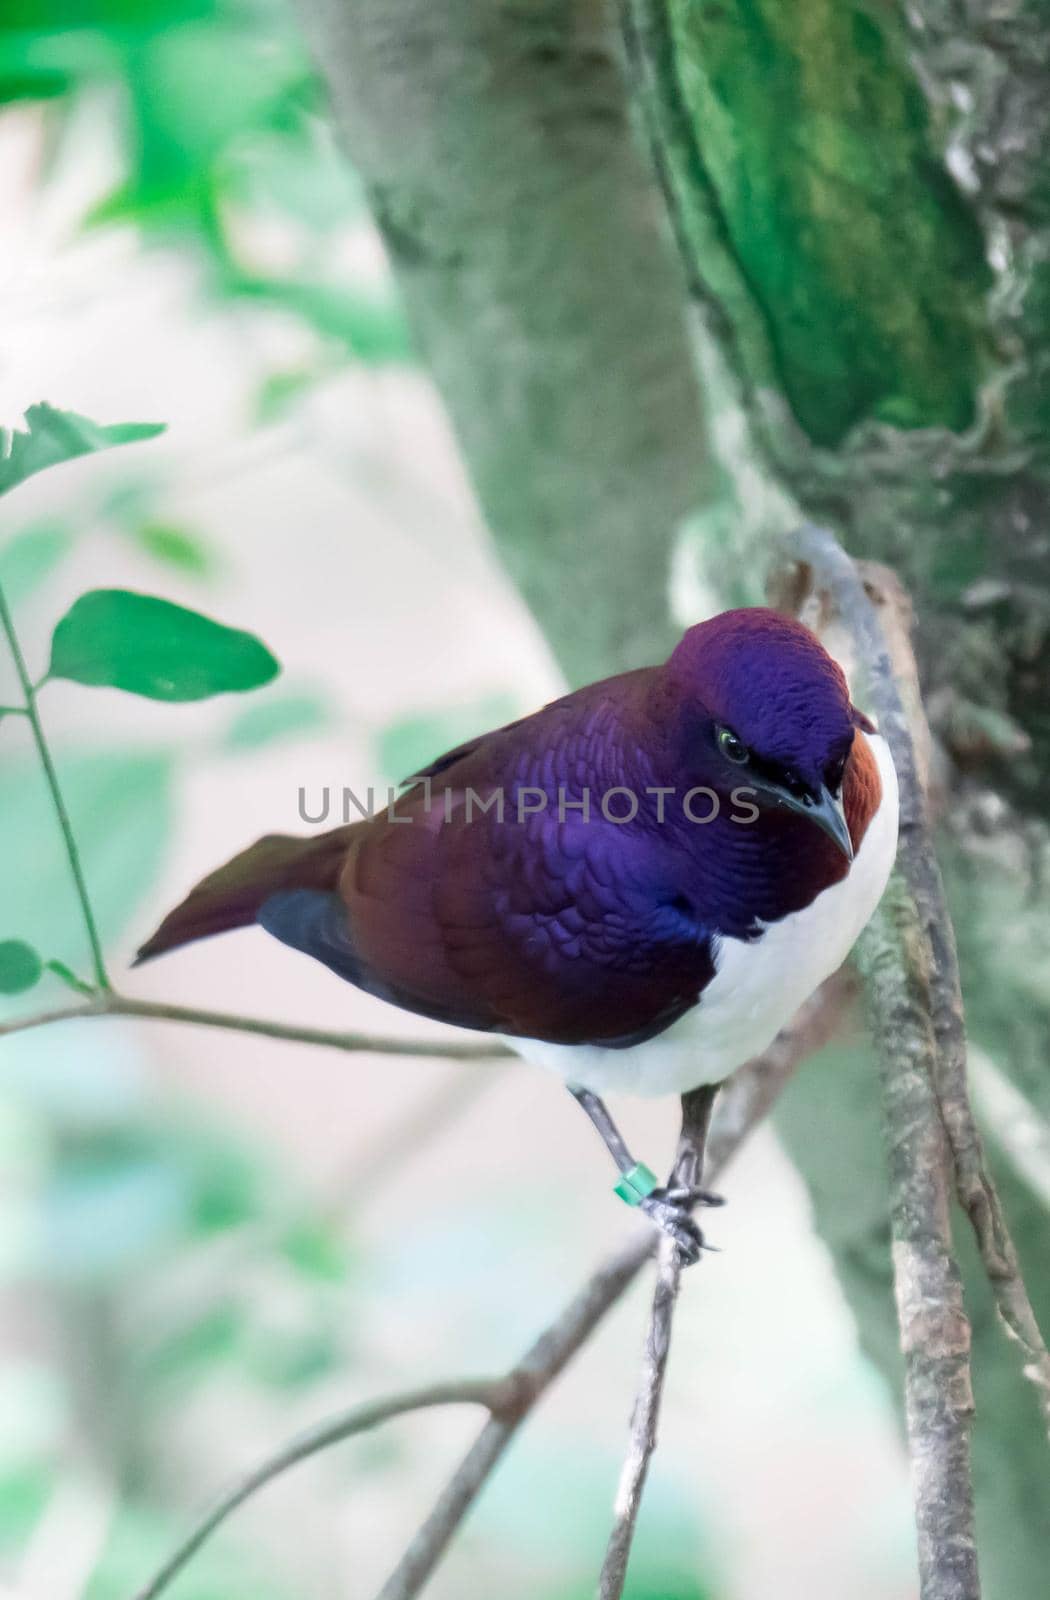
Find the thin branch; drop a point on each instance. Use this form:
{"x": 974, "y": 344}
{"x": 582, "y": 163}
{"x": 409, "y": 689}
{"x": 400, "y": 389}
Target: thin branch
{"x": 895, "y": 957}
{"x": 492, "y": 1393}
{"x": 934, "y": 1329}
{"x": 743, "y": 1103}
{"x": 542, "y": 1363}
{"x": 642, "y": 1440}
{"x": 863, "y": 601}
{"x": 510, "y": 1399}
{"x": 57, "y": 798}
{"x": 43, "y": 1019}
{"x": 111, "y": 1004}
{"x": 696, "y": 1117}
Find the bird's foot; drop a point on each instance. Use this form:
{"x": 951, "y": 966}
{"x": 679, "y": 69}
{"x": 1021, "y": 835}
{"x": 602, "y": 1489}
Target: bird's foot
{"x": 678, "y": 1223}
{"x": 669, "y": 1207}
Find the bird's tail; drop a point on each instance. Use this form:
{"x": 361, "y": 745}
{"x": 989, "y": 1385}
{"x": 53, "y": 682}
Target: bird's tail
{"x": 233, "y": 896}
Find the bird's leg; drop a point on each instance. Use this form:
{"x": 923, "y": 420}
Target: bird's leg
{"x": 668, "y": 1206}
{"x": 684, "y": 1186}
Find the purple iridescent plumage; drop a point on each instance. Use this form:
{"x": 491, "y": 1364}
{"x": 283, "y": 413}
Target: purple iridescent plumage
{"x": 553, "y": 925}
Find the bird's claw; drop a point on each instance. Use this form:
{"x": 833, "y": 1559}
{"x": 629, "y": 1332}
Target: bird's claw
{"x": 676, "y": 1221}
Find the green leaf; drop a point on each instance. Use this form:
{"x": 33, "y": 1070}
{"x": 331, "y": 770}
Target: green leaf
{"x": 54, "y": 436}
{"x": 20, "y": 966}
{"x": 114, "y": 638}
{"x": 276, "y": 718}
{"x": 28, "y": 558}
{"x": 174, "y": 547}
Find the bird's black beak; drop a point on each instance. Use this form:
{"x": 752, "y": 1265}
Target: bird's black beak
{"x": 826, "y": 811}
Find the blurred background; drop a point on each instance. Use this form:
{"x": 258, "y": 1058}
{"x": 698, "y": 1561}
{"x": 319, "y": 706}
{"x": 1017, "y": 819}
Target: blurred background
{"x": 208, "y": 1241}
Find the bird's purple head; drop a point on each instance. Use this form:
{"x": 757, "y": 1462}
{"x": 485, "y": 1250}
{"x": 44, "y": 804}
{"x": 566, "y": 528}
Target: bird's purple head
{"x": 761, "y": 704}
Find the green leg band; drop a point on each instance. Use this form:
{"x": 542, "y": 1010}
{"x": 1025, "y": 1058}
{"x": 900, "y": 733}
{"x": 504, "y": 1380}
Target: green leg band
{"x": 636, "y": 1184}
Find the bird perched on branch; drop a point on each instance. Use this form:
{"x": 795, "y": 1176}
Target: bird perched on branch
{"x": 637, "y": 885}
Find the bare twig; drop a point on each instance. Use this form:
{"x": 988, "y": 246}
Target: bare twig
{"x": 542, "y": 1363}
{"x": 744, "y": 1102}
{"x": 974, "y": 1185}
{"x": 510, "y": 1399}
{"x": 111, "y": 1004}
{"x": 494, "y": 1393}
{"x": 696, "y": 1117}
{"x": 641, "y": 1444}
{"x": 908, "y": 958}
{"x": 871, "y": 603}
{"x": 934, "y": 1330}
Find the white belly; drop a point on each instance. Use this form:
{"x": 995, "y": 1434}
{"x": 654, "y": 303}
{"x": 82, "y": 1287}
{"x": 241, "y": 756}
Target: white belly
{"x": 757, "y": 986}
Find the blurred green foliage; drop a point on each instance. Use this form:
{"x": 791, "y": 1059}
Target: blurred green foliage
{"x": 177, "y": 1261}
{"x": 217, "y": 112}
{"x": 408, "y": 744}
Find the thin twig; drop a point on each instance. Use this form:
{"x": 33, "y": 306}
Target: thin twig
{"x": 696, "y": 1116}
{"x": 860, "y": 597}
{"x": 743, "y": 1103}
{"x": 543, "y": 1362}
{"x": 511, "y": 1398}
{"x": 111, "y": 1004}
{"x": 895, "y": 959}
{"x": 644, "y": 1418}
{"x": 492, "y": 1393}
{"x": 57, "y": 797}
{"x": 934, "y": 1329}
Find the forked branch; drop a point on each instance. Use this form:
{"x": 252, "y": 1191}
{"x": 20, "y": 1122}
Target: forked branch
{"x": 908, "y": 959}
{"x": 511, "y": 1399}
{"x": 871, "y": 603}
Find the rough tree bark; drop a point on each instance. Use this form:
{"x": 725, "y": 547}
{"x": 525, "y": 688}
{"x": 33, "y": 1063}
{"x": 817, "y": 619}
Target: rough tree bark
{"x": 862, "y": 209}
{"x": 860, "y": 197}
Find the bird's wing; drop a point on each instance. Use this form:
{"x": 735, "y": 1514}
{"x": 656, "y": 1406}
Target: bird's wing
{"x": 544, "y": 927}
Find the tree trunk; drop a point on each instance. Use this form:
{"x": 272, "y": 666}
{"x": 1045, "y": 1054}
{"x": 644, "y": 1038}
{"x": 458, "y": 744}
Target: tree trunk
{"x": 863, "y": 215}
{"x": 528, "y": 240}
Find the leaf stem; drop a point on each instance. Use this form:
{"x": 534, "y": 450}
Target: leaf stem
{"x": 57, "y": 798}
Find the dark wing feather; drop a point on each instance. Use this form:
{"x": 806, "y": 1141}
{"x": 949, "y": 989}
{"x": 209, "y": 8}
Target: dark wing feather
{"x": 542, "y": 928}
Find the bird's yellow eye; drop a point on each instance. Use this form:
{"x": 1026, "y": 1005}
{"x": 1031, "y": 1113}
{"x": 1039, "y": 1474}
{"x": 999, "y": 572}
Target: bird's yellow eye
{"x": 731, "y": 747}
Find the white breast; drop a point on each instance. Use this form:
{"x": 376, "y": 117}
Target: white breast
{"x": 757, "y": 986}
